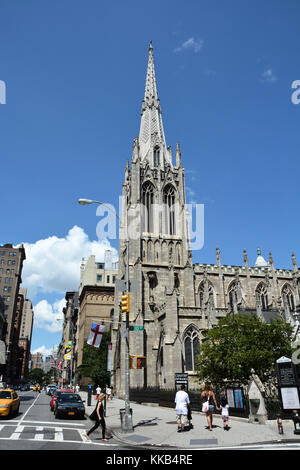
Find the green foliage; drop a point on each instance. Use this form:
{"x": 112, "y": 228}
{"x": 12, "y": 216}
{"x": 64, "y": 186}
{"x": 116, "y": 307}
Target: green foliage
{"x": 51, "y": 375}
{"x": 242, "y": 342}
{"x": 94, "y": 362}
{"x": 35, "y": 375}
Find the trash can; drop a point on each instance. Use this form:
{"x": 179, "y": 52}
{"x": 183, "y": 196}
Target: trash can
{"x": 125, "y": 426}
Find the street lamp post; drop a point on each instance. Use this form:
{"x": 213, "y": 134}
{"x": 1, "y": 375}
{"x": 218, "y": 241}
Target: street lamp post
{"x": 127, "y": 427}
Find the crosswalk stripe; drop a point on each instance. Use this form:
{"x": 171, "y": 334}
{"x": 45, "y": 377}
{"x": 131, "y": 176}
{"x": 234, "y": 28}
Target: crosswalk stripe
{"x": 17, "y": 432}
{"x": 59, "y": 435}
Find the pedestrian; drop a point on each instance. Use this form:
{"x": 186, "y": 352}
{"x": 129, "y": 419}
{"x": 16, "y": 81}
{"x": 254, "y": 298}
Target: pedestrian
{"x": 209, "y": 403}
{"x": 98, "y": 391}
{"x": 181, "y": 407}
{"x": 99, "y": 418}
{"x": 225, "y": 413}
{"x": 108, "y": 392}
{"x": 279, "y": 424}
{"x": 77, "y": 388}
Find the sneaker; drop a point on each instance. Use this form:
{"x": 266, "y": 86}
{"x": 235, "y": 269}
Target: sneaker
{"x": 179, "y": 430}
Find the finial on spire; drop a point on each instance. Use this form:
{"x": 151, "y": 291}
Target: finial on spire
{"x": 245, "y": 258}
{"x": 150, "y": 45}
{"x": 218, "y": 257}
{"x": 178, "y": 155}
{"x": 294, "y": 262}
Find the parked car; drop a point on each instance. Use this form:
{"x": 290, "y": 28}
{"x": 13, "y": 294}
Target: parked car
{"x": 55, "y": 396}
{"x": 9, "y": 402}
{"x": 69, "y": 404}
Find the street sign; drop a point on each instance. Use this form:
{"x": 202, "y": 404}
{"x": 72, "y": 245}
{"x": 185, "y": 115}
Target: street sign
{"x": 136, "y": 328}
{"x": 181, "y": 379}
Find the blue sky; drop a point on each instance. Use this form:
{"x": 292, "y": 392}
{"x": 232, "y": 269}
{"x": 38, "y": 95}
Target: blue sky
{"x": 75, "y": 73}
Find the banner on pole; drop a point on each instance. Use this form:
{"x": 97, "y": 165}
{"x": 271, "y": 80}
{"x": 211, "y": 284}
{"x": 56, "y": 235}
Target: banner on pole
{"x": 68, "y": 351}
{"x": 95, "y": 335}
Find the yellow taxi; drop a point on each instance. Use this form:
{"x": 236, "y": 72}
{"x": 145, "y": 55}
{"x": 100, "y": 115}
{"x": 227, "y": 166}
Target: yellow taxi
{"x": 36, "y": 388}
{"x": 9, "y": 402}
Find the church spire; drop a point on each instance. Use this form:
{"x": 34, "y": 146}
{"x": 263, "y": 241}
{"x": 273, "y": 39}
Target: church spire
{"x": 151, "y": 134}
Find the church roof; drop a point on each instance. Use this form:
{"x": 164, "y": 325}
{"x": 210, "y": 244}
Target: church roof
{"x": 151, "y": 128}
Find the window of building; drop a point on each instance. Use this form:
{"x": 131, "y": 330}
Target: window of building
{"x": 156, "y": 156}
{"x": 114, "y": 279}
{"x": 147, "y": 201}
{"x": 99, "y": 277}
{"x": 108, "y": 279}
{"x": 288, "y": 297}
{"x": 262, "y": 296}
{"x": 191, "y": 348}
{"x": 169, "y": 205}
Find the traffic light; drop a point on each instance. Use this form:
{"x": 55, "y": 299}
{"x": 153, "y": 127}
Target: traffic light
{"x": 125, "y": 303}
{"x": 131, "y": 360}
{"x": 141, "y": 362}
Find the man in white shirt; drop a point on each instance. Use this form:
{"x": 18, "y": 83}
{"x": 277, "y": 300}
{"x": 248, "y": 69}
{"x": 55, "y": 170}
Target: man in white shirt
{"x": 181, "y": 407}
{"x": 98, "y": 391}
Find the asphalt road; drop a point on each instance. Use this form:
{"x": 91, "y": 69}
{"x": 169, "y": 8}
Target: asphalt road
{"x": 36, "y": 428}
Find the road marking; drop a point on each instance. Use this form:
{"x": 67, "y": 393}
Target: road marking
{"x": 17, "y": 433}
{"x": 33, "y": 403}
{"x": 39, "y": 437}
{"x": 59, "y": 435}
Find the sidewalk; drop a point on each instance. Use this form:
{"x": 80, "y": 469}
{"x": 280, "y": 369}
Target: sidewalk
{"x": 156, "y": 426}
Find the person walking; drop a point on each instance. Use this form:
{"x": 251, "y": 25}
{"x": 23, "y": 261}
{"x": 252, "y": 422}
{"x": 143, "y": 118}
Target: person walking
{"x": 99, "y": 414}
{"x": 209, "y": 403}
{"x": 225, "y": 413}
{"x": 108, "y": 392}
{"x": 77, "y": 388}
{"x": 181, "y": 407}
{"x": 98, "y": 391}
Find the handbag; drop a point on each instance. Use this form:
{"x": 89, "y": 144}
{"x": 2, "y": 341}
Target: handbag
{"x": 93, "y": 415}
{"x": 205, "y": 406}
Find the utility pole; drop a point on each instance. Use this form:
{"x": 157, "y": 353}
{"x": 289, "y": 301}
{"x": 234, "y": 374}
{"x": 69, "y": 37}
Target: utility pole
{"x": 128, "y": 418}
{"x": 127, "y": 427}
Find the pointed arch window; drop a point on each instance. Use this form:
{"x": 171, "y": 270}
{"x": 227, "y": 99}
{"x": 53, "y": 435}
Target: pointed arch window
{"x": 147, "y": 199}
{"x": 169, "y": 204}
{"x": 191, "y": 348}
{"x": 156, "y": 156}
{"x": 288, "y": 296}
{"x": 262, "y": 296}
{"x": 201, "y": 295}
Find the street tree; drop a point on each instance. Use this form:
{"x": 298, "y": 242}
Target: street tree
{"x": 36, "y": 375}
{"x": 239, "y": 343}
{"x": 94, "y": 362}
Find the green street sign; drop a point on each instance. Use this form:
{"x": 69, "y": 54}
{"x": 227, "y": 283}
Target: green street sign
{"x": 136, "y": 328}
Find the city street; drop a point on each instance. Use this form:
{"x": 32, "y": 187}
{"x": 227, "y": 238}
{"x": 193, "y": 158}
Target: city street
{"x": 36, "y": 428}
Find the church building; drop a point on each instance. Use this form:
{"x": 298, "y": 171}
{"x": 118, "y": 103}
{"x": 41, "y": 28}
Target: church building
{"x": 177, "y": 300}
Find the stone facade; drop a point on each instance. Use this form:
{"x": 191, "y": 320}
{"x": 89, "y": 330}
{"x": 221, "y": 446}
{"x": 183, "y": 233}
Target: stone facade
{"x": 177, "y": 300}
{"x": 96, "y": 304}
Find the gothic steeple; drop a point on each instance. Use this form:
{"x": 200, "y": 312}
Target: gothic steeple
{"x": 152, "y": 138}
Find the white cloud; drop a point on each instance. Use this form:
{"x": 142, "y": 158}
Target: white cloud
{"x": 44, "y": 350}
{"x": 268, "y": 76}
{"x": 191, "y": 195}
{"x": 191, "y": 43}
{"x": 48, "y": 316}
{"x": 53, "y": 264}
